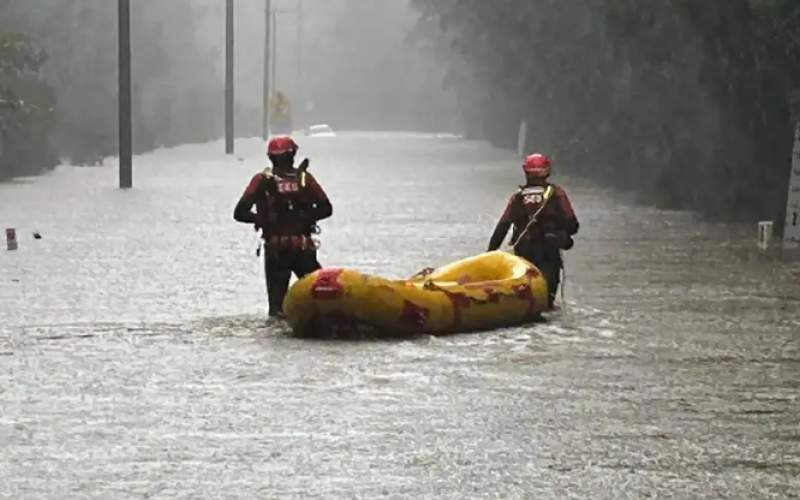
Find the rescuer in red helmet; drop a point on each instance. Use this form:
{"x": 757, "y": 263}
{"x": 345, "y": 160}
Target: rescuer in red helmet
{"x": 543, "y": 222}
{"x": 289, "y": 202}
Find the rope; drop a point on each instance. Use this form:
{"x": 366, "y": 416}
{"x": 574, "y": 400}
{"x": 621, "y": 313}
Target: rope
{"x": 534, "y": 218}
{"x": 514, "y": 241}
{"x": 563, "y": 281}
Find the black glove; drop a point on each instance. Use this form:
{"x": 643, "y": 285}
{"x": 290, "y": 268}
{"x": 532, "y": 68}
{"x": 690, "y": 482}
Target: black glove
{"x": 559, "y": 240}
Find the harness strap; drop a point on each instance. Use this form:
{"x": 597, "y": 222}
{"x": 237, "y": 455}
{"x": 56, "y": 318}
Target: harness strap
{"x": 548, "y": 194}
{"x": 267, "y": 173}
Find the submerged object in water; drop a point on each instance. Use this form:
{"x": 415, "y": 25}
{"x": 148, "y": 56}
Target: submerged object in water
{"x": 487, "y": 291}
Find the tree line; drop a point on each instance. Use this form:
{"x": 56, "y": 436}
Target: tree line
{"x": 25, "y": 106}
{"x": 688, "y": 103}
{"x": 58, "y": 74}
{"x": 58, "y": 81}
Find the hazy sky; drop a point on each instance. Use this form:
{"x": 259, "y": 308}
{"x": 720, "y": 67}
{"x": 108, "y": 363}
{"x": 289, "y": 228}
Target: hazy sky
{"x": 357, "y": 55}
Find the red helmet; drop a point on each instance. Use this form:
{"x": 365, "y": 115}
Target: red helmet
{"x": 281, "y": 145}
{"x": 537, "y": 165}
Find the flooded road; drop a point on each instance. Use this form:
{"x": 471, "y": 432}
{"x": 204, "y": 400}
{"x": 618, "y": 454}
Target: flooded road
{"x": 135, "y": 361}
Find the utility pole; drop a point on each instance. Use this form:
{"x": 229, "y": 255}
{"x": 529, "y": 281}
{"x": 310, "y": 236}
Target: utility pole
{"x": 229, "y": 95}
{"x": 274, "y": 51}
{"x": 791, "y": 229}
{"x": 267, "y": 43}
{"x": 301, "y": 94}
{"x": 271, "y": 56}
{"x": 125, "y": 120}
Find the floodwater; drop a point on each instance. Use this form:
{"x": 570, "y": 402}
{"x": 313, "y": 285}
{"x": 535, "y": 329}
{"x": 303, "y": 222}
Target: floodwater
{"x": 136, "y": 361}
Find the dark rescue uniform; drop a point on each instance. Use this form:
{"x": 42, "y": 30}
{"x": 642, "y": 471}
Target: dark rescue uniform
{"x": 288, "y": 206}
{"x": 552, "y": 231}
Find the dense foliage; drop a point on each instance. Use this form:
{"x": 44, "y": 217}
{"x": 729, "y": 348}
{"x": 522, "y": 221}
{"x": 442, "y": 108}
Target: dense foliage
{"x": 359, "y": 72}
{"x": 70, "y": 94}
{"x": 25, "y": 107}
{"x": 688, "y": 102}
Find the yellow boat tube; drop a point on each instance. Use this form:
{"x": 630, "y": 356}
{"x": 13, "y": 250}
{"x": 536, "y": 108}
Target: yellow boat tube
{"x": 488, "y": 291}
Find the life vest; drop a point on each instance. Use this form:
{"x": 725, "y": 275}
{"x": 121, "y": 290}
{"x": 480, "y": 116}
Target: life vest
{"x": 535, "y": 198}
{"x": 287, "y": 196}
{"x": 534, "y": 202}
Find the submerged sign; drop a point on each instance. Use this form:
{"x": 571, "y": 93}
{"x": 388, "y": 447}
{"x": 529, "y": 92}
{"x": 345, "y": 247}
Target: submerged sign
{"x": 791, "y": 232}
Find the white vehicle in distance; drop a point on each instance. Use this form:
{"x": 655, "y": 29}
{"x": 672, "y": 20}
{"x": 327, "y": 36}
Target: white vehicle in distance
{"x": 321, "y": 130}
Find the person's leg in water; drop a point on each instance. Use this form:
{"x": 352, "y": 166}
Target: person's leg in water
{"x": 549, "y": 263}
{"x": 551, "y": 268}
{"x": 278, "y": 273}
{"x": 305, "y": 263}
{"x": 552, "y": 274}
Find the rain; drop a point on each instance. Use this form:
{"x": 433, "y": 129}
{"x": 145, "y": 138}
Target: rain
{"x": 399, "y": 249}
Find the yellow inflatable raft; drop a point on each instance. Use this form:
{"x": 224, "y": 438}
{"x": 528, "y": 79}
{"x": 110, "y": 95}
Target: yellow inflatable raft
{"x": 487, "y": 291}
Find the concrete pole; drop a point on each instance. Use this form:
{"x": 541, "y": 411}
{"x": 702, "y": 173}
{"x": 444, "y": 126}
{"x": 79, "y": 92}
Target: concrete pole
{"x": 301, "y": 94}
{"x": 267, "y": 40}
{"x": 125, "y": 119}
{"x": 274, "y": 51}
{"x": 791, "y": 228}
{"x": 229, "y": 90}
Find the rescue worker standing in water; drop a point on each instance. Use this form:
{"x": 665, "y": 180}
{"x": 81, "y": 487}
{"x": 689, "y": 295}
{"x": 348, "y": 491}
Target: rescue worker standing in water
{"x": 544, "y": 222}
{"x": 289, "y": 202}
